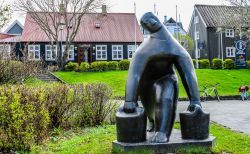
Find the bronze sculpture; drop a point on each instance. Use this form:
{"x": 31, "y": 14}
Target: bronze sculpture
{"x": 152, "y": 76}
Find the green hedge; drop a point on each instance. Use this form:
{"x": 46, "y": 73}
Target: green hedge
{"x": 124, "y": 64}
{"x": 84, "y": 66}
{"x": 248, "y": 64}
{"x": 194, "y": 62}
{"x": 229, "y": 64}
{"x": 113, "y": 65}
{"x": 71, "y": 66}
{"x": 217, "y": 63}
{"x": 204, "y": 64}
{"x": 99, "y": 66}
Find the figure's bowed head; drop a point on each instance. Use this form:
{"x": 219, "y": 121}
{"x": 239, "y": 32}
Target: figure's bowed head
{"x": 150, "y": 22}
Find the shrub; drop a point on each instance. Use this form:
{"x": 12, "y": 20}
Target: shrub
{"x": 204, "y": 64}
{"x": 27, "y": 112}
{"x": 112, "y": 65}
{"x": 124, "y": 64}
{"x": 71, "y": 66}
{"x": 217, "y": 63}
{"x": 17, "y": 71}
{"x": 24, "y": 117}
{"x": 99, "y": 66}
{"x": 95, "y": 105}
{"x": 229, "y": 64}
{"x": 194, "y": 62}
{"x": 248, "y": 64}
{"x": 84, "y": 66}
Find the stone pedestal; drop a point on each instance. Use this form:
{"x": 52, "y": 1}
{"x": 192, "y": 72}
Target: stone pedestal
{"x": 176, "y": 142}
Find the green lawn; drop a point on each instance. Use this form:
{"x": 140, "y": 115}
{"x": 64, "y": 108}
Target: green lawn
{"x": 229, "y": 80}
{"x": 99, "y": 141}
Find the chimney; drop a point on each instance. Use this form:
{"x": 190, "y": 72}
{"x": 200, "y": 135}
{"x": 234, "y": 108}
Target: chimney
{"x": 104, "y": 9}
{"x": 165, "y": 19}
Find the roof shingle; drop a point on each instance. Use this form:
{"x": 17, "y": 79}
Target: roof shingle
{"x": 116, "y": 27}
{"x": 218, "y": 16}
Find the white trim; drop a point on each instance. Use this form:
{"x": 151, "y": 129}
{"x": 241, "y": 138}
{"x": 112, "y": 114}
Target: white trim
{"x": 197, "y": 35}
{"x": 117, "y": 52}
{"x": 12, "y": 25}
{"x": 70, "y": 50}
{"x": 131, "y": 50}
{"x": 200, "y": 16}
{"x": 5, "y": 53}
{"x": 34, "y": 50}
{"x": 51, "y": 50}
{"x": 229, "y": 32}
{"x": 229, "y": 50}
{"x": 101, "y": 52}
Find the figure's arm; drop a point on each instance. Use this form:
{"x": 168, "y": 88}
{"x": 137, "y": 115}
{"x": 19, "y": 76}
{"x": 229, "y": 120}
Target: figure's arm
{"x": 136, "y": 69}
{"x": 187, "y": 73}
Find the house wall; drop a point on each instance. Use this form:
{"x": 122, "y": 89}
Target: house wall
{"x": 109, "y": 50}
{"x": 201, "y": 28}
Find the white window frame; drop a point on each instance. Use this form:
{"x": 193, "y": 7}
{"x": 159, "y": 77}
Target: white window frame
{"x": 71, "y": 51}
{"x": 5, "y": 53}
{"x": 197, "y": 35}
{"x": 50, "y": 50}
{"x": 230, "y": 51}
{"x": 229, "y": 32}
{"x": 117, "y": 51}
{"x": 196, "y": 19}
{"x": 132, "y": 48}
{"x": 101, "y": 52}
{"x": 34, "y": 50}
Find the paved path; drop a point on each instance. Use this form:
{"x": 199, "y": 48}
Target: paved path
{"x": 234, "y": 114}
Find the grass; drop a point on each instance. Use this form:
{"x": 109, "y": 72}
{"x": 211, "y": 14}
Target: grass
{"x": 32, "y": 81}
{"x": 99, "y": 141}
{"x": 229, "y": 80}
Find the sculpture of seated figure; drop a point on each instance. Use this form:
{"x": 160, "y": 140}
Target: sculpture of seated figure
{"x": 152, "y": 76}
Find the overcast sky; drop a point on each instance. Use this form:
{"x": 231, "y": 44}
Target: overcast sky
{"x": 163, "y": 7}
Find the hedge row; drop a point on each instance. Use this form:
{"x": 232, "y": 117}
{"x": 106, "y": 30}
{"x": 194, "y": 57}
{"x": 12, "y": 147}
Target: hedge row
{"x": 27, "y": 113}
{"x": 98, "y": 66}
{"x": 216, "y": 64}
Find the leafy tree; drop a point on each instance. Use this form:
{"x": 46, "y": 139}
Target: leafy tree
{"x": 186, "y": 41}
{"x": 5, "y": 14}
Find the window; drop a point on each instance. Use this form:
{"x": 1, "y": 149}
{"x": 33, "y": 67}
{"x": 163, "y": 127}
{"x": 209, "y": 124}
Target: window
{"x": 117, "y": 52}
{"x": 34, "y": 52}
{"x": 229, "y": 33}
{"x": 197, "y": 36}
{"x": 101, "y": 52}
{"x": 5, "y": 50}
{"x": 131, "y": 50}
{"x": 196, "y": 19}
{"x": 71, "y": 53}
{"x": 50, "y": 54}
{"x": 230, "y": 51}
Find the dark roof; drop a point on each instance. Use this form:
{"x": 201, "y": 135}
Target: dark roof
{"x": 116, "y": 27}
{"x": 217, "y": 15}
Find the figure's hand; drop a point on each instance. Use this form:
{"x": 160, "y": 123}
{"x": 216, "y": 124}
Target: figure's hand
{"x": 193, "y": 107}
{"x": 129, "y": 107}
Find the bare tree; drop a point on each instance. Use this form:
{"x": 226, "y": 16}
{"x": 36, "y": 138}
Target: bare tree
{"x": 57, "y": 16}
{"x": 241, "y": 17}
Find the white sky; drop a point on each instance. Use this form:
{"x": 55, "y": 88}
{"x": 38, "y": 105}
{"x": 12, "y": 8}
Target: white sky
{"x": 163, "y": 7}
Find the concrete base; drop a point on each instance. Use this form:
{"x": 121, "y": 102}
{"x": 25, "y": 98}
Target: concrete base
{"x": 176, "y": 142}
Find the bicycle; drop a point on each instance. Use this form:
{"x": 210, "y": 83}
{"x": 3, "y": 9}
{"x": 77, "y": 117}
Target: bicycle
{"x": 208, "y": 91}
{"x": 244, "y": 92}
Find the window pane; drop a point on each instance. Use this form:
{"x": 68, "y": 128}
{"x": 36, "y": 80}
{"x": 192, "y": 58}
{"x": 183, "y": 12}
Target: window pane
{"x": 36, "y": 47}
{"x": 37, "y": 55}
